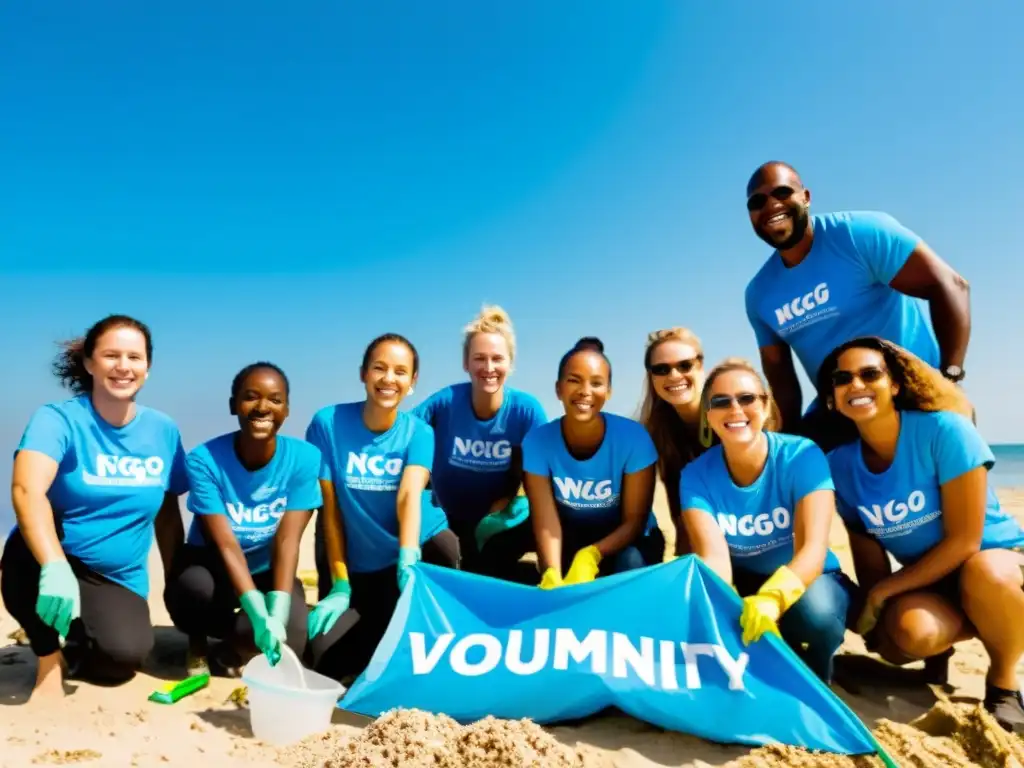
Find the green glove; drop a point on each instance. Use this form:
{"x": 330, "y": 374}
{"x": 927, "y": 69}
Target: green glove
{"x": 514, "y": 513}
{"x": 327, "y": 612}
{"x": 279, "y": 605}
{"x": 60, "y": 601}
{"x": 407, "y": 558}
{"x": 267, "y": 632}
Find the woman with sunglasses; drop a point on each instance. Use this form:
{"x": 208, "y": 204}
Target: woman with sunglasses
{"x": 674, "y": 361}
{"x": 914, "y": 485}
{"x": 589, "y": 477}
{"x": 758, "y": 506}
{"x": 377, "y": 518}
{"x": 479, "y": 428}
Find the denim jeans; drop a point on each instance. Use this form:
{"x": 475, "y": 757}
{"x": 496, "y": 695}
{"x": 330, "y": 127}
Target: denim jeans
{"x": 815, "y": 625}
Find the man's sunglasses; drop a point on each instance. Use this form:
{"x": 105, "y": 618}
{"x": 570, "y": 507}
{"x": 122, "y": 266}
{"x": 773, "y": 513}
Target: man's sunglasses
{"x": 683, "y": 366}
{"x": 758, "y": 201}
{"x": 744, "y": 400}
{"x": 868, "y": 375}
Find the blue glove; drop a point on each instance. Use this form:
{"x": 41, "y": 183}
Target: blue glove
{"x": 514, "y": 513}
{"x": 60, "y": 600}
{"x": 327, "y": 612}
{"x": 407, "y": 558}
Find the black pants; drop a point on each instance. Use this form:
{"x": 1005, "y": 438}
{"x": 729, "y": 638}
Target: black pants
{"x": 347, "y": 648}
{"x": 646, "y": 549}
{"x": 111, "y": 640}
{"x": 501, "y": 554}
{"x": 202, "y": 601}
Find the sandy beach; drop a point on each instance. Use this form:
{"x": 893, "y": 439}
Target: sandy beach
{"x": 118, "y": 727}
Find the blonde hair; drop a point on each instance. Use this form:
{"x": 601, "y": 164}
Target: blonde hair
{"x": 676, "y": 443}
{"x": 492, "y": 319}
{"x": 730, "y": 364}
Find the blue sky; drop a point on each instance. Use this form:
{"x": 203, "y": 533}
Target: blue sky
{"x": 256, "y": 181}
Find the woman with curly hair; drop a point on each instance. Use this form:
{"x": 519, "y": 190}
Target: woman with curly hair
{"x": 674, "y": 362}
{"x": 914, "y": 484}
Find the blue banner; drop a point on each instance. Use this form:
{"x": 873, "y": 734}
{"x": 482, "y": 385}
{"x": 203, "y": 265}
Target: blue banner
{"x": 661, "y": 643}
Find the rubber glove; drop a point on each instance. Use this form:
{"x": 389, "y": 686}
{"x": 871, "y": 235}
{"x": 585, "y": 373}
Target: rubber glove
{"x": 407, "y": 558}
{"x": 60, "y": 600}
{"x": 279, "y": 605}
{"x": 327, "y": 612}
{"x": 268, "y": 633}
{"x": 761, "y": 611}
{"x": 514, "y": 513}
{"x": 584, "y": 566}
{"x": 550, "y": 579}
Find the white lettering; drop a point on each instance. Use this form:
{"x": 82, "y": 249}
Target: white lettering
{"x": 514, "y": 652}
{"x": 763, "y": 524}
{"x": 423, "y": 663}
{"x": 588, "y": 490}
{"x": 801, "y": 305}
{"x": 594, "y": 644}
{"x": 459, "y": 657}
{"x": 625, "y": 654}
{"x": 893, "y": 511}
{"x": 487, "y": 449}
{"x": 377, "y": 466}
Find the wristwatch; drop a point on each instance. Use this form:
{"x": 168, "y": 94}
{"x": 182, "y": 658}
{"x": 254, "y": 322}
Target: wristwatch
{"x": 954, "y": 373}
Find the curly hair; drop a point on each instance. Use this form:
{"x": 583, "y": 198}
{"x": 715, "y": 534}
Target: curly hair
{"x": 921, "y": 387}
{"x": 771, "y": 422}
{"x": 69, "y": 364}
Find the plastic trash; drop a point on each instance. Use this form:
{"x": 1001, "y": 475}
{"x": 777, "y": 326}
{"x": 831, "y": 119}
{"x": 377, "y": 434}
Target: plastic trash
{"x": 288, "y": 702}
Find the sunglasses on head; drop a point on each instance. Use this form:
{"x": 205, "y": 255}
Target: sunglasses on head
{"x": 868, "y": 375}
{"x": 758, "y": 201}
{"x": 744, "y": 400}
{"x": 683, "y": 366}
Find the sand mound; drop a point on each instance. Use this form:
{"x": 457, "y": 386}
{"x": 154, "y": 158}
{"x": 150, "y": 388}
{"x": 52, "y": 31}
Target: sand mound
{"x": 948, "y": 736}
{"x": 411, "y": 738}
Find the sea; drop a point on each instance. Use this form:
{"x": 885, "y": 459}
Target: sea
{"x": 1007, "y": 473}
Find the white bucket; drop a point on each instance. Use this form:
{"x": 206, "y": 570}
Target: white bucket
{"x": 288, "y": 702}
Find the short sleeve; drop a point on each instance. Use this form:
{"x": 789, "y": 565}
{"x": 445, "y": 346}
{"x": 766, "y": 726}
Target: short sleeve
{"x": 178, "y": 483}
{"x": 304, "y": 490}
{"x": 204, "y": 497}
{"x": 957, "y": 446}
{"x": 763, "y": 333}
{"x": 693, "y": 490}
{"x": 48, "y": 432}
{"x": 535, "y": 459}
{"x": 533, "y": 414}
{"x": 882, "y": 243}
{"x": 316, "y": 435}
{"x": 642, "y": 452}
{"x": 427, "y": 410}
{"x": 421, "y": 446}
{"x": 809, "y": 471}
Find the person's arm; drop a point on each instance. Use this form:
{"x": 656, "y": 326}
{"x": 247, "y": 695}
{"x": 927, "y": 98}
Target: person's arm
{"x": 219, "y": 533}
{"x": 547, "y": 528}
{"x": 637, "y": 496}
{"x": 334, "y": 532}
{"x": 780, "y": 371}
{"x": 169, "y": 530}
{"x": 870, "y": 561}
{"x": 675, "y": 511}
{"x": 926, "y": 276}
{"x": 708, "y": 542}
{"x": 34, "y": 473}
{"x": 305, "y": 496}
{"x": 409, "y": 504}
{"x": 812, "y": 522}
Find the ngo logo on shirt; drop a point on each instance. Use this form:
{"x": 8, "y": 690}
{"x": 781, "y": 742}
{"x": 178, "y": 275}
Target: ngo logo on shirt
{"x": 764, "y": 524}
{"x": 586, "y": 494}
{"x": 136, "y": 471}
{"x": 365, "y": 472}
{"x": 480, "y": 454}
{"x": 798, "y": 308}
{"x": 656, "y": 663}
{"x": 259, "y": 515}
{"x": 890, "y": 518}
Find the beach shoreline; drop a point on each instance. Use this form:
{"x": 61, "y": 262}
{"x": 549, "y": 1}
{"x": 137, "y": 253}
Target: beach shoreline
{"x": 119, "y": 727}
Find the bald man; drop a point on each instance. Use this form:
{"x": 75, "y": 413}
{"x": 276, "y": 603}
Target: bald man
{"x": 836, "y": 276}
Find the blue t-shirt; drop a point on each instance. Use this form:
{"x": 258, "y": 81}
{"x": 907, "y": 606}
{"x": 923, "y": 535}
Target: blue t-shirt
{"x": 588, "y": 493}
{"x": 902, "y": 506}
{"x": 758, "y": 520}
{"x": 840, "y": 291}
{"x": 473, "y": 457}
{"x": 110, "y": 484}
{"x": 254, "y": 501}
{"x": 366, "y": 469}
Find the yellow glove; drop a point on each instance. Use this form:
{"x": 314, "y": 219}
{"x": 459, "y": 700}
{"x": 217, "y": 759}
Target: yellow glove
{"x": 762, "y": 611}
{"x": 551, "y": 579}
{"x": 584, "y": 566}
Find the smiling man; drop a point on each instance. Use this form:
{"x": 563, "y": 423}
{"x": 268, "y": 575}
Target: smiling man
{"x": 837, "y": 276}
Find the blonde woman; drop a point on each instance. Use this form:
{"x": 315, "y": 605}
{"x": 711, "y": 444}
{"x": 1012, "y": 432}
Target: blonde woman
{"x": 914, "y": 484}
{"x": 479, "y": 426}
{"x": 758, "y": 506}
{"x": 674, "y": 362}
